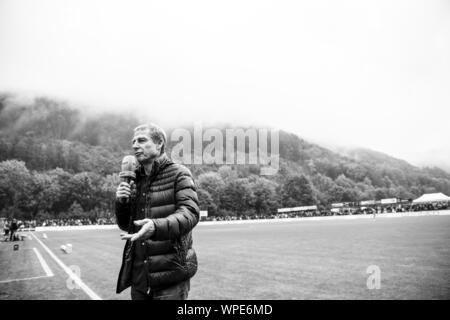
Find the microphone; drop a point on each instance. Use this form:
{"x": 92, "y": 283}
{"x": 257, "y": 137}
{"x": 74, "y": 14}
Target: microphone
{"x": 127, "y": 173}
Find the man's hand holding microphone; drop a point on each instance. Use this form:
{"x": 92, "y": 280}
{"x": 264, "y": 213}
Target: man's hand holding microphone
{"x": 123, "y": 194}
{"x": 127, "y": 177}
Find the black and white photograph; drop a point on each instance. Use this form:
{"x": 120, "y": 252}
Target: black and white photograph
{"x": 251, "y": 150}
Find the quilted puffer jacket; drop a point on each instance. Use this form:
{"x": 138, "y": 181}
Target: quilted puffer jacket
{"x": 169, "y": 198}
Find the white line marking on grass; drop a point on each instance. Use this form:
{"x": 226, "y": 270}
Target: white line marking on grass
{"x": 71, "y": 274}
{"x": 32, "y": 278}
{"x": 44, "y": 264}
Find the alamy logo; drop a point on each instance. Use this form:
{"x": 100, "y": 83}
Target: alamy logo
{"x": 255, "y": 152}
{"x": 374, "y": 280}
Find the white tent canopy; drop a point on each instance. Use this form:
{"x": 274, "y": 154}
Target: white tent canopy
{"x": 432, "y": 197}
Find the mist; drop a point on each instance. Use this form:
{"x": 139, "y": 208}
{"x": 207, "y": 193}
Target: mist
{"x": 373, "y": 74}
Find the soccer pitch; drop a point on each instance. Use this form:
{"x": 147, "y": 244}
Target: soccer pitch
{"x": 276, "y": 260}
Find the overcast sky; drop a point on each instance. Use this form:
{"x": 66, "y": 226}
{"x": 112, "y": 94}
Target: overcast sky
{"x": 353, "y": 73}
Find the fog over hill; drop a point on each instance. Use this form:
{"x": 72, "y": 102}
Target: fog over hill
{"x": 359, "y": 74}
{"x": 47, "y": 134}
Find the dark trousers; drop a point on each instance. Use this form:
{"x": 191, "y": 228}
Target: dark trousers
{"x": 11, "y": 236}
{"x": 179, "y": 291}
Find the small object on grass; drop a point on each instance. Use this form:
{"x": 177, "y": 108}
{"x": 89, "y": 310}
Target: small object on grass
{"x": 66, "y": 248}
{"x": 44, "y": 236}
{"x": 16, "y": 247}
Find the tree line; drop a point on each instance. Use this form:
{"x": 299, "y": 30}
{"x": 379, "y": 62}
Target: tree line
{"x": 57, "y": 193}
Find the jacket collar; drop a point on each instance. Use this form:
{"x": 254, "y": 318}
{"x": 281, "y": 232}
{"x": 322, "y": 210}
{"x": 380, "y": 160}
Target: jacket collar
{"x": 158, "y": 164}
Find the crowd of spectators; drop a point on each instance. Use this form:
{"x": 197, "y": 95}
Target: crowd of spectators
{"x": 302, "y": 214}
{"x": 405, "y": 207}
{"x": 11, "y": 228}
{"x": 76, "y": 222}
{"x": 408, "y": 207}
{"x": 431, "y": 206}
{"x": 31, "y": 224}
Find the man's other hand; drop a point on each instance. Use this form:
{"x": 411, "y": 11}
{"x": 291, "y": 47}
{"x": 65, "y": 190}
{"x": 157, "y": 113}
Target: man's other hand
{"x": 147, "y": 230}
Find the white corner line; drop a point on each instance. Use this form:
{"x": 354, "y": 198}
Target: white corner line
{"x": 72, "y": 275}
{"x": 44, "y": 264}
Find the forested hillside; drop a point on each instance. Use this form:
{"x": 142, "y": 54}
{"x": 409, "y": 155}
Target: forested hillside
{"x": 56, "y": 161}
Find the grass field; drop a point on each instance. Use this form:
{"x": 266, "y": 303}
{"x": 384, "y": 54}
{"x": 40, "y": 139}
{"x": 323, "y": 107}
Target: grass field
{"x": 284, "y": 260}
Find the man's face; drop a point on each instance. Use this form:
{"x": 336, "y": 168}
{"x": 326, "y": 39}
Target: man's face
{"x": 145, "y": 150}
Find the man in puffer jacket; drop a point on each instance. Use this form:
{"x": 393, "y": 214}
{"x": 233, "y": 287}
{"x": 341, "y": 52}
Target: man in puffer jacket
{"x": 159, "y": 215}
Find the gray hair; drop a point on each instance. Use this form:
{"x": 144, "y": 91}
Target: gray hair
{"x": 155, "y": 132}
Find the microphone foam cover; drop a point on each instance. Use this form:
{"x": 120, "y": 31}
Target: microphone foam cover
{"x": 129, "y": 165}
